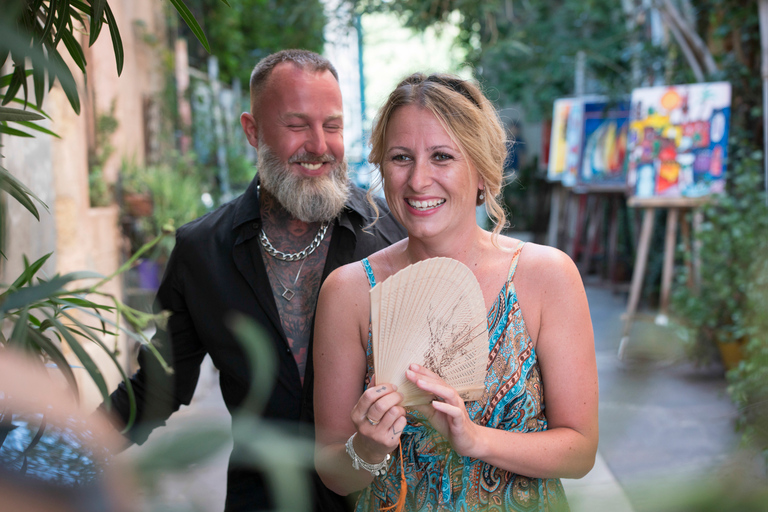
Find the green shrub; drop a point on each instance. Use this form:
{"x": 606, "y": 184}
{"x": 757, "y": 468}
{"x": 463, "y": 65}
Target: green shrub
{"x": 729, "y": 304}
{"x": 732, "y": 243}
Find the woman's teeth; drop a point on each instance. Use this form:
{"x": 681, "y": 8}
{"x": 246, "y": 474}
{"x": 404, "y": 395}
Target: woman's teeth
{"x": 425, "y": 205}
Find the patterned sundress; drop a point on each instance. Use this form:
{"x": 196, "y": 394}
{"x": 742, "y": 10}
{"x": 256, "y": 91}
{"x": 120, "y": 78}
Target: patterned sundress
{"x": 440, "y": 479}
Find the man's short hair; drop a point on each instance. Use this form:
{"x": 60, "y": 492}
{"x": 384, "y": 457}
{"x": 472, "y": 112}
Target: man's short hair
{"x": 303, "y": 59}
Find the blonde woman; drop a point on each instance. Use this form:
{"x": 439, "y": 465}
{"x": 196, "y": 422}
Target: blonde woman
{"x": 440, "y": 148}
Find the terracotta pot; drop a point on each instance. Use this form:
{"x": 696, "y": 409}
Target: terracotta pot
{"x": 138, "y": 205}
{"x": 731, "y": 352}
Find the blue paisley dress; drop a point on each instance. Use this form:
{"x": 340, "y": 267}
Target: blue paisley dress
{"x": 437, "y": 477}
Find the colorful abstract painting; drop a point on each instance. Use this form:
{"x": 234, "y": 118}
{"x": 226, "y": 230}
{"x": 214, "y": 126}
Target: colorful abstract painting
{"x": 604, "y": 149}
{"x": 678, "y": 140}
{"x": 565, "y": 141}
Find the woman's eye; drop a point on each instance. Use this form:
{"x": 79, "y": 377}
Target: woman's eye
{"x": 400, "y": 158}
{"x": 440, "y": 157}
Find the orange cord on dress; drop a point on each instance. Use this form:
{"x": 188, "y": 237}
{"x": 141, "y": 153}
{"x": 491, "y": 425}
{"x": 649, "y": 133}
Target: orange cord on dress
{"x": 400, "y": 503}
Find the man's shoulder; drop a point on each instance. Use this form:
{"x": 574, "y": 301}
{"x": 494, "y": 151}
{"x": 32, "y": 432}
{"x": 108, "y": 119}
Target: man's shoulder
{"x": 374, "y": 214}
{"x": 218, "y": 222}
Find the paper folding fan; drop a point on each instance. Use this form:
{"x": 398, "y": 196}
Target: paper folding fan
{"x": 431, "y": 313}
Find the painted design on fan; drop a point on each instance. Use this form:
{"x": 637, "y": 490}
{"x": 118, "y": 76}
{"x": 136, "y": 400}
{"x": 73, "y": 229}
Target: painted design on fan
{"x": 431, "y": 313}
{"x": 449, "y": 343}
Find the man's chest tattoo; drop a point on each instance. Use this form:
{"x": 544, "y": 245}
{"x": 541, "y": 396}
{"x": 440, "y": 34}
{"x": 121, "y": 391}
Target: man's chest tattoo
{"x": 295, "y": 286}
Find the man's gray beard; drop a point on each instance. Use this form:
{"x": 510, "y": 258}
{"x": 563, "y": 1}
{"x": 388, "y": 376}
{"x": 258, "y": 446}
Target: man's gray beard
{"x": 308, "y": 199}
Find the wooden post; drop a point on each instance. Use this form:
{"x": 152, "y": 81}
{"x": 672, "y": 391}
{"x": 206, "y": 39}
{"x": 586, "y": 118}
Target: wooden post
{"x": 670, "y": 239}
{"x": 638, "y": 273}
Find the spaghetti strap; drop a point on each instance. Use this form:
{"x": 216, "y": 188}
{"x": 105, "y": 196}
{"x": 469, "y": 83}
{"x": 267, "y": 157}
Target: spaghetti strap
{"x": 369, "y": 272}
{"x": 515, "y": 258}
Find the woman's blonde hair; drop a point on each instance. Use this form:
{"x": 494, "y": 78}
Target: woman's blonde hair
{"x": 468, "y": 117}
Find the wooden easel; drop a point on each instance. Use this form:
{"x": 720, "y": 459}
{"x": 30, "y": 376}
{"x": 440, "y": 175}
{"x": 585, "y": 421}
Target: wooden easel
{"x": 566, "y": 212}
{"x": 575, "y": 213}
{"x": 596, "y": 198}
{"x": 675, "y": 207}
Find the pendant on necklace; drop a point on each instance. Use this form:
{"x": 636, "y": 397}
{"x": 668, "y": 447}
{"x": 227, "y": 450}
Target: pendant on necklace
{"x": 288, "y": 293}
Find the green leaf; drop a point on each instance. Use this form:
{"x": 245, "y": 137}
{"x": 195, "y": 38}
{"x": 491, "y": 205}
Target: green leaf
{"x": 48, "y": 20}
{"x": 186, "y": 15}
{"x": 74, "y": 49}
{"x": 77, "y": 302}
{"x": 61, "y": 26}
{"x": 29, "y": 272}
{"x": 117, "y": 43}
{"x": 37, "y": 437}
{"x": 66, "y": 79}
{"x": 31, "y": 294}
{"x": 226, "y": 3}
{"x": 5, "y": 81}
{"x": 125, "y": 377}
{"x": 43, "y": 291}
{"x": 20, "y": 329}
{"x": 32, "y": 106}
{"x": 83, "y": 356}
{"x": 20, "y": 192}
{"x": 4, "y": 128}
{"x": 18, "y": 79}
{"x": 38, "y": 80}
{"x": 189, "y": 446}
{"x": 79, "y": 4}
{"x": 36, "y": 127}
{"x": 81, "y": 274}
{"x": 97, "y": 15}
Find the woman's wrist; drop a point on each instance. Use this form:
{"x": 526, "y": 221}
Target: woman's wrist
{"x": 358, "y": 462}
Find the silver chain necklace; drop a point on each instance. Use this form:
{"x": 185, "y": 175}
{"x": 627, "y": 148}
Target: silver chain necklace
{"x": 293, "y": 256}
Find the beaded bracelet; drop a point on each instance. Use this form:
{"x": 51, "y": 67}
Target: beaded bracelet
{"x": 358, "y": 463}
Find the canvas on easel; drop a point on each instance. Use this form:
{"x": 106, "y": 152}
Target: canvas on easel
{"x": 604, "y": 147}
{"x": 677, "y": 159}
{"x": 678, "y": 140}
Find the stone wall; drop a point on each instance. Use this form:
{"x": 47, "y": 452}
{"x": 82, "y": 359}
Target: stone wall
{"x": 56, "y": 169}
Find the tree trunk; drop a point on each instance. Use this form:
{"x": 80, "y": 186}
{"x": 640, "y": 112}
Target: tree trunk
{"x": 692, "y": 45}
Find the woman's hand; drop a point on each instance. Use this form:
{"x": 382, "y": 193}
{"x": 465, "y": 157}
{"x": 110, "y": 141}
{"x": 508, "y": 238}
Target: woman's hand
{"x": 447, "y": 413}
{"x": 379, "y": 420}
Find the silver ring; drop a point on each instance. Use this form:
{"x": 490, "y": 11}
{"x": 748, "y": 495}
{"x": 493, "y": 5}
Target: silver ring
{"x": 372, "y": 422}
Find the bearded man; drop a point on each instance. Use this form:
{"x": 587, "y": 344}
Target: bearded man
{"x": 264, "y": 255}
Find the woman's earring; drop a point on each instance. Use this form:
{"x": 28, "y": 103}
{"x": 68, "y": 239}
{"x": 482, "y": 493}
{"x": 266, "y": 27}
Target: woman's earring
{"x": 480, "y": 196}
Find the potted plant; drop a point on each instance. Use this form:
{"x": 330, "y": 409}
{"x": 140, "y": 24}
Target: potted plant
{"x": 174, "y": 189}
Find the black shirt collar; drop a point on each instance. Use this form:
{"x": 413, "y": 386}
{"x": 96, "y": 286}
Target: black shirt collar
{"x": 247, "y": 207}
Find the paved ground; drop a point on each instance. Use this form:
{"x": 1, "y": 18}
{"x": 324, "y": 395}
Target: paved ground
{"x": 663, "y": 424}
